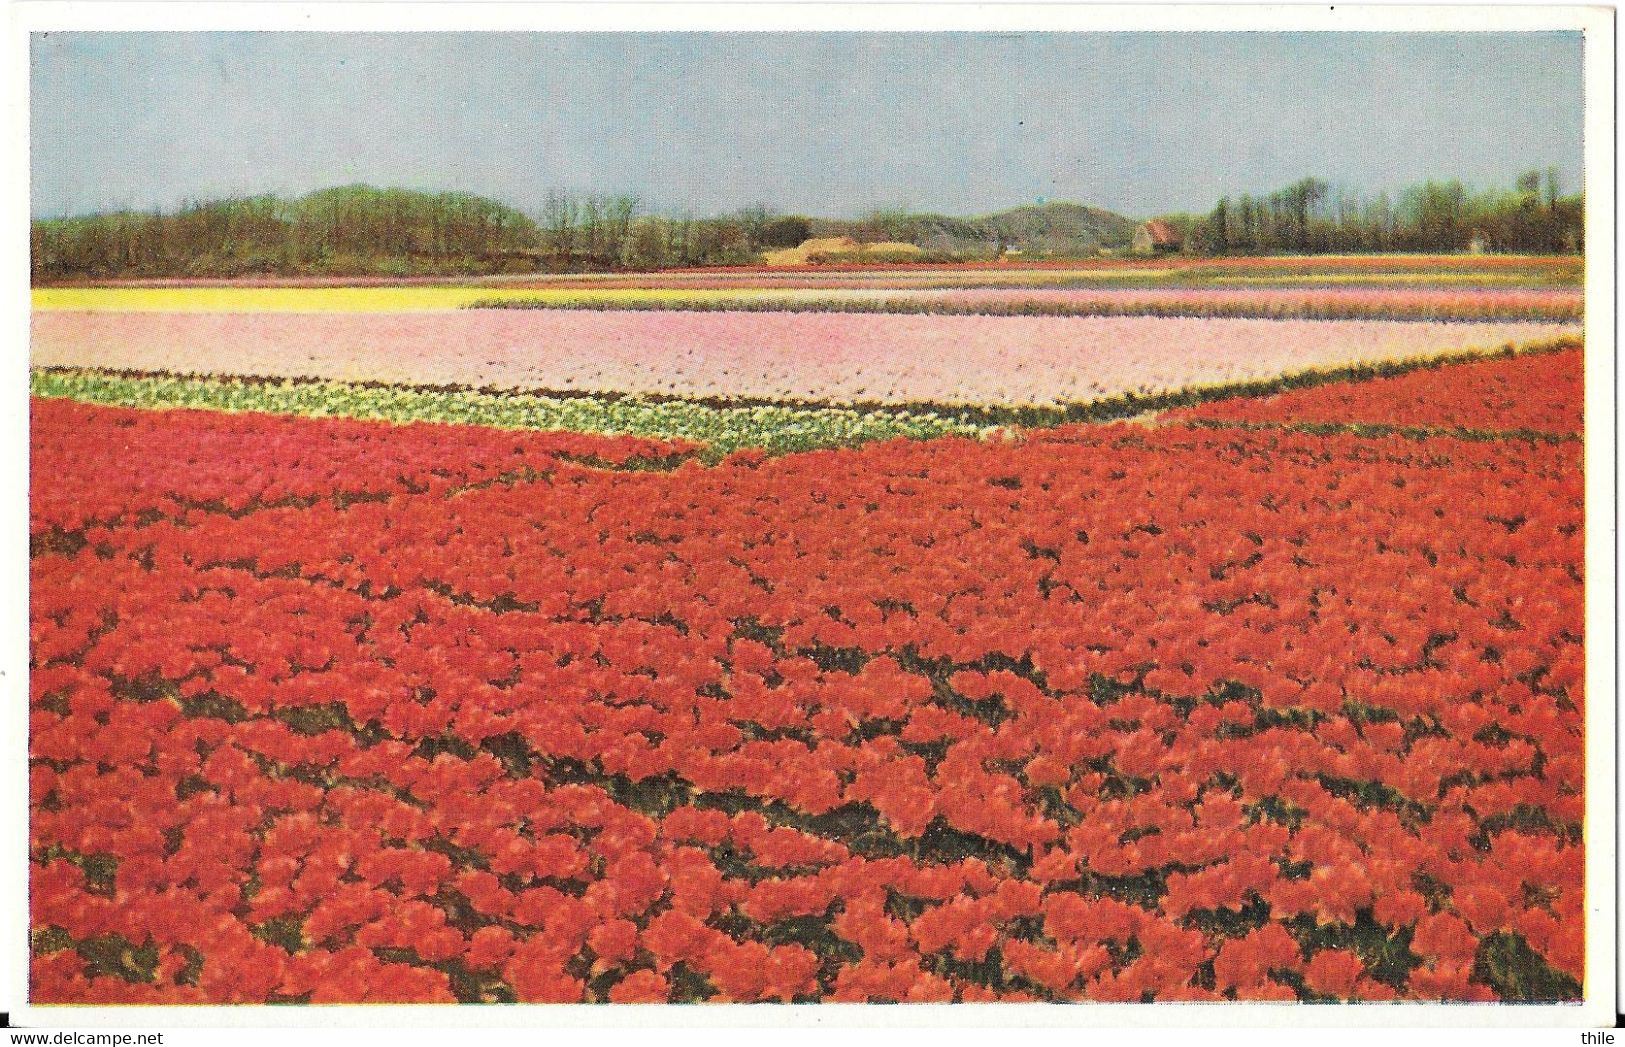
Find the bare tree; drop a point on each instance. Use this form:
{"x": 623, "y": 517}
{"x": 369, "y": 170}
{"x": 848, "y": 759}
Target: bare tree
{"x": 559, "y": 217}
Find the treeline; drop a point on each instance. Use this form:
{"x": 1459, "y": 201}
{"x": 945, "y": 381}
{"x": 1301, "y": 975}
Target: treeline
{"x": 1311, "y": 216}
{"x": 359, "y": 230}
{"x": 349, "y": 230}
{"x": 610, "y": 232}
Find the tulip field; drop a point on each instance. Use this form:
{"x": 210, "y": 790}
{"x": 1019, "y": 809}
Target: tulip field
{"x": 811, "y": 357}
{"x": 1437, "y": 288}
{"x": 678, "y": 656}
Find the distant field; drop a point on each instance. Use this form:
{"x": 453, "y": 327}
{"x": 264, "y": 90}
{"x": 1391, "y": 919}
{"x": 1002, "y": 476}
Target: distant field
{"x": 773, "y": 356}
{"x": 253, "y": 299}
{"x": 1334, "y": 288}
{"x": 1553, "y": 264}
{"x": 1175, "y": 268}
{"x": 1320, "y": 303}
{"x": 1422, "y": 302}
{"x": 1008, "y": 334}
{"x": 1417, "y": 301}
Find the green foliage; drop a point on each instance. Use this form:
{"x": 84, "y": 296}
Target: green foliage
{"x": 1312, "y": 217}
{"x": 361, "y": 230}
{"x": 1507, "y": 964}
{"x": 350, "y": 230}
{"x": 788, "y": 231}
{"x": 1055, "y": 229}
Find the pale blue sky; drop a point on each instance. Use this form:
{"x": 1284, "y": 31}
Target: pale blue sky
{"x": 827, "y": 124}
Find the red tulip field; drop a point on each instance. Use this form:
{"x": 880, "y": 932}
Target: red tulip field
{"x": 1262, "y": 699}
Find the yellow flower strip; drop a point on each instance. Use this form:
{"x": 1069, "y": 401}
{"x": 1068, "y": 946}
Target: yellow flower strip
{"x": 356, "y": 299}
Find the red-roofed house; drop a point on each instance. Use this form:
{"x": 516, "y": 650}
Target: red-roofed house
{"x": 1156, "y": 237}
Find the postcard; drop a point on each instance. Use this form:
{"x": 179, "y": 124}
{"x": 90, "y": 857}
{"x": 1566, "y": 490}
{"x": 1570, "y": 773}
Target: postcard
{"x": 1063, "y": 515}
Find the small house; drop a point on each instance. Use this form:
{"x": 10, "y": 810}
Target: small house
{"x": 1156, "y": 237}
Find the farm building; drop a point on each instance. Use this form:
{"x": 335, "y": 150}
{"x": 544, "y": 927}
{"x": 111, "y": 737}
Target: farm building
{"x": 813, "y": 252}
{"x": 1156, "y": 237}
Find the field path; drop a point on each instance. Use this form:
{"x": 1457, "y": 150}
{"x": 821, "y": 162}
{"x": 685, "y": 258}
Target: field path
{"x": 830, "y": 356}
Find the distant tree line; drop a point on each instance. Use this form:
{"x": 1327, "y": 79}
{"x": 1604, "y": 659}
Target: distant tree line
{"x": 348, "y": 230}
{"x": 360, "y": 230}
{"x": 1312, "y": 217}
{"x": 610, "y": 232}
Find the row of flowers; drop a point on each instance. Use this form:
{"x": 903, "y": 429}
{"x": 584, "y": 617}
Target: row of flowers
{"x": 913, "y": 361}
{"x": 231, "y": 463}
{"x": 1537, "y": 393}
